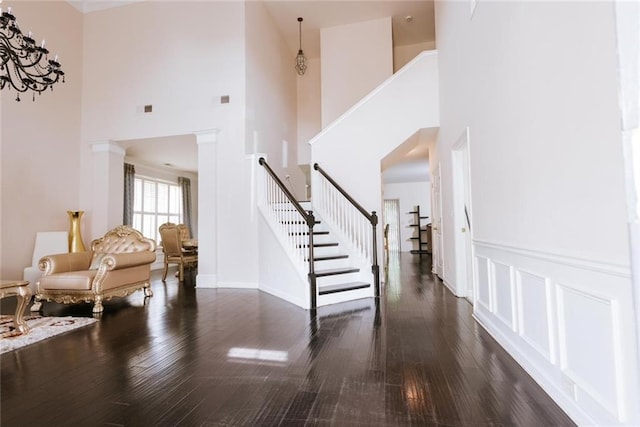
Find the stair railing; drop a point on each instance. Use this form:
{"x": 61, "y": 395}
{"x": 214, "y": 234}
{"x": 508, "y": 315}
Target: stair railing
{"x": 287, "y": 212}
{"x": 355, "y": 223}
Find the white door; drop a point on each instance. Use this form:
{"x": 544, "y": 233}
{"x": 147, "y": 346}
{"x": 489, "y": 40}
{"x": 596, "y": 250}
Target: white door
{"x": 436, "y": 225}
{"x": 462, "y": 218}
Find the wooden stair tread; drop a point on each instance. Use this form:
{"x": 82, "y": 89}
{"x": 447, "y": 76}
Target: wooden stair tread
{"x": 422, "y": 251}
{"x": 335, "y": 271}
{"x": 342, "y": 287}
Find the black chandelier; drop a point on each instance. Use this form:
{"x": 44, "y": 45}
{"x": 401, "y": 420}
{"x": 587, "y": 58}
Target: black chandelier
{"x": 23, "y": 64}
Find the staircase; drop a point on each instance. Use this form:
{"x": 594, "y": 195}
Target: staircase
{"x": 334, "y": 268}
{"x": 344, "y": 249}
{"x": 337, "y": 272}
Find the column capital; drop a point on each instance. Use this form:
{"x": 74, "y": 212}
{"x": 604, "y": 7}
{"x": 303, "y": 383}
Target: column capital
{"x": 107, "y": 146}
{"x": 207, "y": 136}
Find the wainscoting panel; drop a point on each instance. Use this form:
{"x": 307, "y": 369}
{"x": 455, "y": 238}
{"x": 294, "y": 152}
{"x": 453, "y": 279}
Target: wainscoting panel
{"x": 584, "y": 319}
{"x": 484, "y": 285}
{"x": 504, "y": 293}
{"x": 569, "y": 322}
{"x": 533, "y": 308}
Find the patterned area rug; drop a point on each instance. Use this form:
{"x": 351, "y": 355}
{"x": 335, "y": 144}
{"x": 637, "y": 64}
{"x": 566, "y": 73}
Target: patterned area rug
{"x": 41, "y": 328}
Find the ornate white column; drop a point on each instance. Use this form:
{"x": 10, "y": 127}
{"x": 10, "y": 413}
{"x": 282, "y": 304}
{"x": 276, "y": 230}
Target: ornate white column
{"x": 108, "y": 183}
{"x": 207, "y": 208}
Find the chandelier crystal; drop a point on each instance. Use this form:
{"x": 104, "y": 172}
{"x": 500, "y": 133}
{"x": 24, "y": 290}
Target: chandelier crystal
{"x": 23, "y": 64}
{"x": 301, "y": 60}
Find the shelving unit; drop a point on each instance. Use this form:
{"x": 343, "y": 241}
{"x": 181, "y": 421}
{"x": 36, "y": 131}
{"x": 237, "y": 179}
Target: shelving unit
{"x": 422, "y": 234}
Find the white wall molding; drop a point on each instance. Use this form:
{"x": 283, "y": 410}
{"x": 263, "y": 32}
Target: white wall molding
{"x": 571, "y": 333}
{"x": 108, "y": 146}
{"x": 548, "y": 382}
{"x": 209, "y": 136}
{"x": 558, "y": 258}
{"x": 206, "y": 281}
{"x": 407, "y": 68}
{"x": 238, "y": 285}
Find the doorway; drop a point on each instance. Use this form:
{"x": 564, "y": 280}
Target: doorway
{"x": 462, "y": 218}
{"x": 436, "y": 227}
{"x": 392, "y": 221}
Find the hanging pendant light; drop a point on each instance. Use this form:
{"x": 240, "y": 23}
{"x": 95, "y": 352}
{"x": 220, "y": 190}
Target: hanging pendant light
{"x": 301, "y": 60}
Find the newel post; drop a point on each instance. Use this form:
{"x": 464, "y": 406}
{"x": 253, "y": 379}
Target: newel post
{"x": 311, "y": 221}
{"x": 375, "y": 268}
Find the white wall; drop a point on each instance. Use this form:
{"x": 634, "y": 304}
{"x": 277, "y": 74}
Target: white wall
{"x": 410, "y": 195}
{"x": 271, "y": 97}
{"x": 375, "y": 126}
{"x": 355, "y": 59}
{"x": 405, "y": 53}
{"x": 40, "y": 164}
{"x": 309, "y": 111}
{"x": 548, "y": 205}
{"x": 182, "y": 74}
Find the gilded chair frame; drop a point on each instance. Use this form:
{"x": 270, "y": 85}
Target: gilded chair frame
{"x": 172, "y": 236}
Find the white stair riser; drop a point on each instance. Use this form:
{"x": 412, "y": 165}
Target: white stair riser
{"x": 325, "y": 251}
{"x": 339, "y": 297}
{"x": 332, "y": 263}
{"x": 337, "y": 279}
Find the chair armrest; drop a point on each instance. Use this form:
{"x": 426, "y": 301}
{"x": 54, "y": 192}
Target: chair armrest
{"x": 62, "y": 263}
{"x": 126, "y": 260}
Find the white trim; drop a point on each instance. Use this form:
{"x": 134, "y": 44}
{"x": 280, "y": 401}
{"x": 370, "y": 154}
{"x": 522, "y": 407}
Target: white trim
{"x": 562, "y": 259}
{"x": 238, "y": 285}
{"x": 108, "y": 146}
{"x": 285, "y": 296}
{"x": 207, "y": 281}
{"x": 372, "y": 94}
{"x": 209, "y": 136}
{"x": 575, "y": 412}
{"x": 615, "y": 405}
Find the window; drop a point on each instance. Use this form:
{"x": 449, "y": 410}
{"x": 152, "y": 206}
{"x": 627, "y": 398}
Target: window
{"x": 154, "y": 203}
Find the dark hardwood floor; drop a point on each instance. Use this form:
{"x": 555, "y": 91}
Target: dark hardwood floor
{"x": 202, "y": 357}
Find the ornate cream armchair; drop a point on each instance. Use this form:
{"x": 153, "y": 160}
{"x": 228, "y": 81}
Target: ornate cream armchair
{"x": 117, "y": 265}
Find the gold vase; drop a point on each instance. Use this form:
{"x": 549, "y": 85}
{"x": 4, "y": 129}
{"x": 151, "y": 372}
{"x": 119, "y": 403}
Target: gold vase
{"x": 75, "y": 236}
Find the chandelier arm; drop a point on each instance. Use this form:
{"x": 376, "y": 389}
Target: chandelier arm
{"x": 24, "y": 65}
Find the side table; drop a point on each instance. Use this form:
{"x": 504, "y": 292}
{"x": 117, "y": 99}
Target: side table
{"x": 20, "y": 289}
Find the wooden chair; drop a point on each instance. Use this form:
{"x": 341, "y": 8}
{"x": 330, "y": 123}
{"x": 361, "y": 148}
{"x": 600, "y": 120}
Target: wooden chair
{"x": 173, "y": 251}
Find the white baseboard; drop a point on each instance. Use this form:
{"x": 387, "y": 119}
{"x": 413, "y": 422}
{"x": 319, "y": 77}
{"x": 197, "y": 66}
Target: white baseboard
{"x": 206, "y": 281}
{"x": 238, "y": 285}
{"x": 285, "y": 296}
{"x": 569, "y": 322}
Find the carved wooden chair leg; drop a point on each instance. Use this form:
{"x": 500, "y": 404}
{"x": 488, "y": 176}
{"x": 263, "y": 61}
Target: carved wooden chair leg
{"x": 164, "y": 273}
{"x": 37, "y": 304}
{"x": 97, "y": 307}
{"x": 147, "y": 291}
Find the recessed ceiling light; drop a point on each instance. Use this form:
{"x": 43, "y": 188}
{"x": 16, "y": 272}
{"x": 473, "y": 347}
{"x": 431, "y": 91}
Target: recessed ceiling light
{"x": 409, "y": 18}
{"x": 168, "y": 164}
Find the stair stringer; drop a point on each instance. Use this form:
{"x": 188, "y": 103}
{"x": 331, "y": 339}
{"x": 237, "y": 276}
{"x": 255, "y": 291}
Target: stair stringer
{"x": 284, "y": 276}
{"x": 281, "y": 273}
